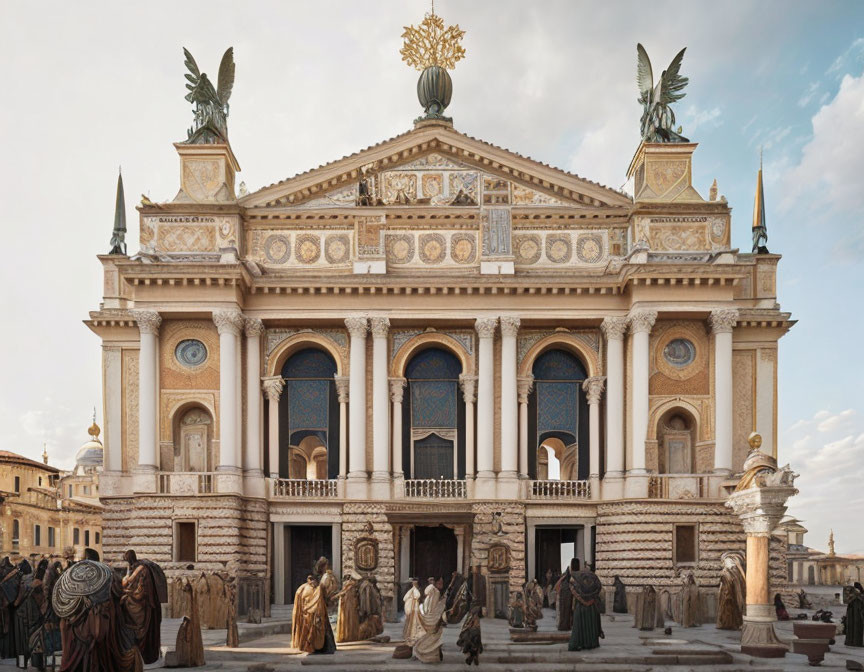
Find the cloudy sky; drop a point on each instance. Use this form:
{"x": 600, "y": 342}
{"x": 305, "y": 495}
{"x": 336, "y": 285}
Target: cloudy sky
{"x": 90, "y": 86}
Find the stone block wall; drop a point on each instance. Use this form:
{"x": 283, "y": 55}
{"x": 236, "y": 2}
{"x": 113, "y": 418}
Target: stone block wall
{"x": 370, "y": 520}
{"x": 512, "y": 521}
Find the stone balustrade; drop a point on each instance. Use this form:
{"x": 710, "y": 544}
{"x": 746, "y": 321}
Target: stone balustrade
{"x": 679, "y": 486}
{"x": 559, "y": 490}
{"x": 430, "y": 488}
{"x": 185, "y": 482}
{"x": 301, "y": 488}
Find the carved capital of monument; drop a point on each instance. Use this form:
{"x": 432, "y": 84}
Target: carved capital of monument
{"x": 228, "y": 321}
{"x": 509, "y": 325}
{"x": 469, "y": 388}
{"x": 148, "y": 321}
{"x": 485, "y": 326}
{"x": 524, "y": 385}
{"x": 642, "y": 321}
{"x": 379, "y": 326}
{"x": 357, "y": 326}
{"x": 254, "y": 327}
{"x": 593, "y": 387}
{"x": 342, "y": 386}
{"x": 273, "y": 386}
{"x": 397, "y": 389}
{"x": 723, "y": 320}
{"x": 614, "y": 328}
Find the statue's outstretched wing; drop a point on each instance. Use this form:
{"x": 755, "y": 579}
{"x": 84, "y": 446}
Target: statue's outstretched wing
{"x": 225, "y": 82}
{"x": 644, "y": 75}
{"x": 673, "y": 82}
{"x": 194, "y": 74}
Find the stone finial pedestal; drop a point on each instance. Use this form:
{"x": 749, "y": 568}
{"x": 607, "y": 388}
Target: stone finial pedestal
{"x": 662, "y": 171}
{"x": 206, "y": 173}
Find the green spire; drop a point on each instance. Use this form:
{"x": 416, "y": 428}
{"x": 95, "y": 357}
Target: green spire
{"x": 118, "y": 236}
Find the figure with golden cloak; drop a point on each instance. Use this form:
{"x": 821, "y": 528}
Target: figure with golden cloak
{"x": 371, "y": 609}
{"x": 310, "y": 626}
{"x": 329, "y": 583}
{"x": 533, "y": 604}
{"x": 348, "y": 621}
{"x": 732, "y": 595}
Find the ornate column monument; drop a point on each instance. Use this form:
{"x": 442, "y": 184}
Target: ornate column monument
{"x": 760, "y": 501}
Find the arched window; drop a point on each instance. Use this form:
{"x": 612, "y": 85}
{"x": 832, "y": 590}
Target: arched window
{"x": 309, "y": 417}
{"x": 676, "y": 440}
{"x": 193, "y": 441}
{"x": 558, "y": 417}
{"x": 434, "y": 417}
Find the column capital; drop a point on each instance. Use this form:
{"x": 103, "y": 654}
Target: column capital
{"x": 614, "y": 328}
{"x": 342, "y": 386}
{"x": 273, "y": 386}
{"x": 593, "y": 387}
{"x": 379, "y": 326}
{"x": 254, "y": 327}
{"x": 485, "y": 326}
{"x": 642, "y": 321}
{"x": 469, "y": 388}
{"x": 228, "y": 321}
{"x": 397, "y": 389}
{"x": 723, "y": 320}
{"x": 524, "y": 385}
{"x": 148, "y": 321}
{"x": 509, "y": 325}
{"x": 357, "y": 326}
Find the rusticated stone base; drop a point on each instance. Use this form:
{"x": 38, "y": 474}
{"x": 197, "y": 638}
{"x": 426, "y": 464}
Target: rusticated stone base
{"x": 495, "y": 524}
{"x": 370, "y": 520}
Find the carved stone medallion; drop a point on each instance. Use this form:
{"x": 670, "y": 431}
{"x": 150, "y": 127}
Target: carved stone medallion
{"x": 400, "y": 248}
{"x": 433, "y": 185}
{"x": 366, "y": 554}
{"x": 432, "y": 248}
{"x": 559, "y": 249}
{"x": 589, "y": 248}
{"x": 463, "y": 248}
{"x": 277, "y": 249}
{"x": 527, "y": 249}
{"x": 308, "y": 248}
{"x": 499, "y": 558}
{"x": 337, "y": 247}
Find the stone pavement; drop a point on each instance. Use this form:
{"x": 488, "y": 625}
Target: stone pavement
{"x": 266, "y": 648}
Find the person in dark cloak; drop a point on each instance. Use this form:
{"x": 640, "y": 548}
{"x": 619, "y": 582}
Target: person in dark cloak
{"x": 44, "y": 638}
{"x": 516, "y": 609}
{"x": 619, "y": 606}
{"x": 142, "y": 602}
{"x": 470, "y": 640}
{"x": 780, "y": 608}
{"x": 27, "y": 617}
{"x": 8, "y": 593}
{"x": 96, "y": 632}
{"x": 587, "y": 631}
{"x": 477, "y": 587}
{"x": 564, "y": 602}
{"x": 91, "y": 554}
{"x": 458, "y": 599}
{"x": 855, "y": 616}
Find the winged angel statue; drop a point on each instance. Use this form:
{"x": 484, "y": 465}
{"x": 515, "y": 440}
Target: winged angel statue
{"x": 210, "y": 125}
{"x": 658, "y": 119}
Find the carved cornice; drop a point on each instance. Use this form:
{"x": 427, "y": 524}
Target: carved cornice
{"x": 342, "y": 386}
{"x": 642, "y": 321}
{"x": 614, "y": 328}
{"x": 397, "y": 389}
{"x": 273, "y": 386}
{"x": 379, "y": 326}
{"x": 509, "y": 325}
{"x": 524, "y": 385}
{"x": 485, "y": 326}
{"x": 357, "y": 326}
{"x": 469, "y": 388}
{"x": 228, "y": 321}
{"x": 594, "y": 388}
{"x": 148, "y": 321}
{"x": 723, "y": 320}
{"x": 254, "y": 327}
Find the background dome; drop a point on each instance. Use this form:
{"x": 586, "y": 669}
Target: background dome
{"x": 91, "y": 453}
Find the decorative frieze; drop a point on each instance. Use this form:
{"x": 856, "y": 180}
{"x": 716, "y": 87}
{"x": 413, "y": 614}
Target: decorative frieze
{"x": 276, "y": 336}
{"x": 528, "y": 339}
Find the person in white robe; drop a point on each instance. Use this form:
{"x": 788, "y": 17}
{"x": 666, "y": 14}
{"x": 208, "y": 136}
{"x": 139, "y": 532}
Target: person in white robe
{"x": 427, "y": 648}
{"x": 412, "y": 629}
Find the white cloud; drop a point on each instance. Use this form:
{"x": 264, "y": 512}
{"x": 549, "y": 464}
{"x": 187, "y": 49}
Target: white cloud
{"x": 834, "y": 422}
{"x": 853, "y": 53}
{"x": 809, "y": 95}
{"x": 695, "y": 118}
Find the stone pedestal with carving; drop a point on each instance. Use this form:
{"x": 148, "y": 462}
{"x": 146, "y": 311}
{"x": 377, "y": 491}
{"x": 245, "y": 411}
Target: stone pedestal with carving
{"x": 206, "y": 173}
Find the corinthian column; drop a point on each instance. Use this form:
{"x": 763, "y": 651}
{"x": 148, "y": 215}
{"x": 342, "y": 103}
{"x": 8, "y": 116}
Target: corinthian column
{"x": 380, "y": 327}
{"x": 485, "y": 488}
{"x": 508, "y": 487}
{"x": 525, "y": 384}
{"x": 722, "y": 323}
{"x": 469, "y": 394}
{"x": 228, "y": 324}
{"x": 614, "y": 329}
{"x": 593, "y": 392}
{"x": 641, "y": 323}
{"x": 357, "y": 475}
{"x": 273, "y": 386}
{"x": 253, "y": 457}
{"x": 148, "y": 325}
{"x": 342, "y": 383}
{"x": 397, "y": 392}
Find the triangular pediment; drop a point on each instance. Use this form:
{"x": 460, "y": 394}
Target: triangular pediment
{"x": 434, "y": 166}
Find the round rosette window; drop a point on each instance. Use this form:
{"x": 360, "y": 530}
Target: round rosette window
{"x": 679, "y": 352}
{"x": 191, "y": 353}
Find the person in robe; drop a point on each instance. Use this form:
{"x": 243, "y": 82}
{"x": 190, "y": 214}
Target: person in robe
{"x": 563, "y": 601}
{"x": 854, "y": 615}
{"x": 547, "y": 586}
{"x": 371, "y": 608}
{"x": 619, "y": 606}
{"x": 803, "y": 602}
{"x": 27, "y": 618}
{"x": 646, "y": 611}
{"x": 533, "y": 604}
{"x": 310, "y": 626}
{"x": 470, "y": 639}
{"x": 780, "y": 608}
{"x": 427, "y": 648}
{"x": 329, "y": 583}
{"x": 477, "y": 587}
{"x": 45, "y": 637}
{"x": 97, "y": 633}
{"x": 411, "y": 600}
{"x": 516, "y": 610}
{"x": 142, "y": 601}
{"x": 348, "y": 620}
{"x": 8, "y": 592}
{"x": 189, "y": 649}
{"x": 232, "y": 635}
{"x": 549, "y": 589}
{"x": 458, "y": 599}
{"x": 691, "y": 606}
{"x": 586, "y": 631}
{"x": 731, "y": 598}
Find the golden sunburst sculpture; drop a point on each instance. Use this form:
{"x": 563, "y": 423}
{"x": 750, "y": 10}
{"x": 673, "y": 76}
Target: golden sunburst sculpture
{"x": 431, "y": 43}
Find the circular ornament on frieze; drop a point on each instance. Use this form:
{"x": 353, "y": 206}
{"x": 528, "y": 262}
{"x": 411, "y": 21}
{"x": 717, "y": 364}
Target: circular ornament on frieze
{"x": 527, "y": 249}
{"x": 336, "y": 248}
{"x": 433, "y": 248}
{"x": 680, "y": 351}
{"x": 589, "y": 249}
{"x": 400, "y": 248}
{"x": 308, "y": 248}
{"x": 277, "y": 249}
{"x": 559, "y": 249}
{"x": 191, "y": 353}
{"x": 463, "y": 248}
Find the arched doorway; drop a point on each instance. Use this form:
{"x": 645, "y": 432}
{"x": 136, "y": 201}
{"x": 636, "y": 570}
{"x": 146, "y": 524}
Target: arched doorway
{"x": 676, "y": 442}
{"x": 309, "y": 417}
{"x": 558, "y": 416}
{"x": 433, "y": 422}
{"x": 193, "y": 437}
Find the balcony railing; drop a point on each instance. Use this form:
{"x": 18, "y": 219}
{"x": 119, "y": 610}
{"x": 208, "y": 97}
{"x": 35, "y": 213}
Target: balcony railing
{"x": 431, "y": 488}
{"x": 185, "y": 482}
{"x": 299, "y": 487}
{"x": 678, "y": 486}
{"x": 560, "y": 490}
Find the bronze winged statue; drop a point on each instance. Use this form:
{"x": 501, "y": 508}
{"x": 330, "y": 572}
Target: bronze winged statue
{"x": 210, "y": 124}
{"x": 658, "y": 119}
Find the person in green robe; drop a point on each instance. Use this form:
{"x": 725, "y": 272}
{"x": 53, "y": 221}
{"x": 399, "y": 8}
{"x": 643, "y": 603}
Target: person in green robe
{"x": 586, "y": 631}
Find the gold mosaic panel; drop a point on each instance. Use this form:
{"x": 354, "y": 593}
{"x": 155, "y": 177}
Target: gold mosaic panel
{"x": 130, "y": 409}
{"x": 744, "y": 396}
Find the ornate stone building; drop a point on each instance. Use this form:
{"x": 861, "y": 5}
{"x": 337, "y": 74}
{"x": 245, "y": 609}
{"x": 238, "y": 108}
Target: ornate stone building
{"x": 432, "y": 354}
